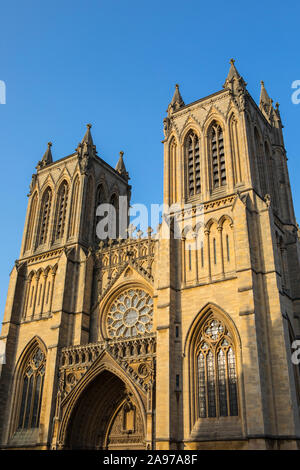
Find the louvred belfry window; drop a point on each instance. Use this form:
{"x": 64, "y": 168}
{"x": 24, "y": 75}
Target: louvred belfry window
{"x": 193, "y": 164}
{"x": 217, "y": 156}
{"x": 216, "y": 372}
{"x": 61, "y": 209}
{"x": 32, "y": 389}
{"x": 44, "y": 217}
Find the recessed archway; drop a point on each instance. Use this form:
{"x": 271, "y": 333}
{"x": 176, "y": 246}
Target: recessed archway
{"x": 106, "y": 416}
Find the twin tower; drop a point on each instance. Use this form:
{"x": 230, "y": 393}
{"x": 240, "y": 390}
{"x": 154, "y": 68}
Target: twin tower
{"x": 155, "y": 342}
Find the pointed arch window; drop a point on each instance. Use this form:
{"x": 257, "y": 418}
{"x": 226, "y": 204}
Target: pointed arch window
{"x": 74, "y": 205}
{"x": 192, "y": 148}
{"x": 235, "y": 150}
{"x": 44, "y": 217}
{"x": 173, "y": 170}
{"x": 217, "y": 156}
{"x": 216, "y": 371}
{"x": 31, "y": 222}
{"x": 61, "y": 210}
{"x": 32, "y": 381}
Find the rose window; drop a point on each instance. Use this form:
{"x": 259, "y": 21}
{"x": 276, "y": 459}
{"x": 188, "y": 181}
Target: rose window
{"x": 130, "y": 314}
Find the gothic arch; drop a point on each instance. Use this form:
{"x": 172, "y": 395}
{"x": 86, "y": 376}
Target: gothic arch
{"x": 190, "y": 126}
{"x": 61, "y": 206}
{"x": 192, "y": 162}
{"x": 234, "y": 133}
{"x": 45, "y": 215}
{"x": 31, "y": 222}
{"x": 200, "y": 318}
{"x": 104, "y": 367}
{"x": 49, "y": 181}
{"x": 64, "y": 176}
{"x": 173, "y": 169}
{"x": 211, "y": 222}
{"x": 223, "y": 218}
{"x": 74, "y": 205}
{"x": 212, "y": 350}
{"x": 215, "y": 138}
{"x": 33, "y": 346}
{"x": 211, "y": 118}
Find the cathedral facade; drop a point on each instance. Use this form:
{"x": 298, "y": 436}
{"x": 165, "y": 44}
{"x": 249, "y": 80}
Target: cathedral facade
{"x": 153, "y": 342}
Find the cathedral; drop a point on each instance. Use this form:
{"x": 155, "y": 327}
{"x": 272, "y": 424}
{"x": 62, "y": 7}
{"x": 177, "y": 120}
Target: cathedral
{"x": 152, "y": 342}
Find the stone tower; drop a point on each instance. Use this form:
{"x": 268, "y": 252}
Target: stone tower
{"x": 178, "y": 340}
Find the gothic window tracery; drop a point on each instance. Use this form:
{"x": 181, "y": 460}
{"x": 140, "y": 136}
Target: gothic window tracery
{"x": 32, "y": 381}
{"x": 216, "y": 371}
{"x": 130, "y": 314}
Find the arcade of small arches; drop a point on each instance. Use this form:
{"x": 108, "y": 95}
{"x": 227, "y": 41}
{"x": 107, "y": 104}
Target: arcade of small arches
{"x": 38, "y": 293}
{"x": 208, "y": 250}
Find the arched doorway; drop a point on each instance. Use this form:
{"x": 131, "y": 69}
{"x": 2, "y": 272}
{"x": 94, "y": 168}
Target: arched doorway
{"x": 106, "y": 416}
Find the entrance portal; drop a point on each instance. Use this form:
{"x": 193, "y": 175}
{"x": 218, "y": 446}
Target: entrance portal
{"x": 106, "y": 416}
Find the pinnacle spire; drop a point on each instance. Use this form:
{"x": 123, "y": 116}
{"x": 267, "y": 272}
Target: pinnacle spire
{"x": 177, "y": 98}
{"x": 233, "y": 77}
{"x": 120, "y": 167}
{"x": 177, "y": 101}
{"x": 47, "y": 157}
{"x": 265, "y": 102}
{"x": 87, "y": 138}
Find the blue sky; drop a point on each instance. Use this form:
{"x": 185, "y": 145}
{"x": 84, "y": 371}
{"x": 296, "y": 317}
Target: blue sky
{"x": 115, "y": 64}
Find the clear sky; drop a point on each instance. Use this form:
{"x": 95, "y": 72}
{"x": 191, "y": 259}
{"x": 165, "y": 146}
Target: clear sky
{"x": 114, "y": 64}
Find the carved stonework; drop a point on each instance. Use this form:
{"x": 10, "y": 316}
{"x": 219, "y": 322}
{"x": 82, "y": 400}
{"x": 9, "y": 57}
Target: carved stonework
{"x": 113, "y": 258}
{"x": 135, "y": 356}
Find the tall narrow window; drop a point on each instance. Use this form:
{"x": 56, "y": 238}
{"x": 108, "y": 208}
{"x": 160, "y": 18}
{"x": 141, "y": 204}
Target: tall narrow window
{"x": 173, "y": 171}
{"x": 193, "y": 164}
{"x": 235, "y": 150}
{"x": 44, "y": 217}
{"x": 31, "y": 221}
{"x": 228, "y": 248}
{"x": 74, "y": 205}
{"x": 215, "y": 251}
{"x": 216, "y": 369}
{"x": 31, "y": 390}
{"x": 61, "y": 209}
{"x": 217, "y": 154}
{"x": 260, "y": 163}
